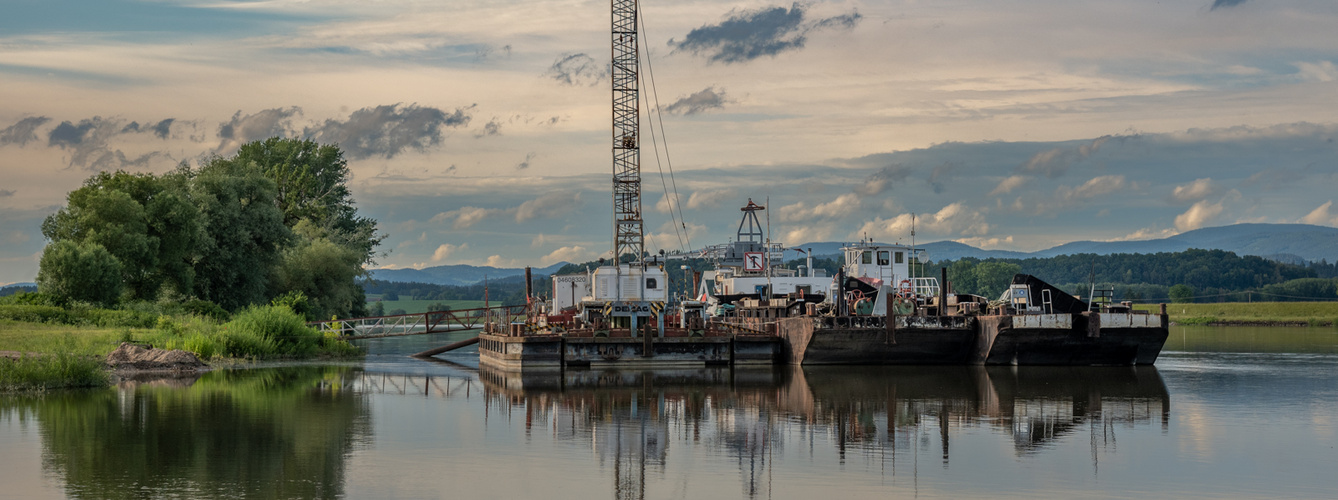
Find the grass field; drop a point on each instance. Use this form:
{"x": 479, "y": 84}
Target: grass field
{"x": 1309, "y": 313}
{"x": 420, "y": 306}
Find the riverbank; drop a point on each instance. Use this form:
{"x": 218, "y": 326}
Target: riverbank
{"x": 1251, "y": 313}
{"x": 48, "y": 355}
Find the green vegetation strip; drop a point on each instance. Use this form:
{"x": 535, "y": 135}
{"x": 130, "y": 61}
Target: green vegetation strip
{"x": 1251, "y": 313}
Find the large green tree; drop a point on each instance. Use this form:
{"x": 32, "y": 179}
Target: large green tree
{"x": 147, "y": 222}
{"x": 244, "y": 235}
{"x": 80, "y": 271}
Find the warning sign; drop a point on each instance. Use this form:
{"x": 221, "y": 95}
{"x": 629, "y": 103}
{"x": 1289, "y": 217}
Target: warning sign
{"x": 752, "y": 261}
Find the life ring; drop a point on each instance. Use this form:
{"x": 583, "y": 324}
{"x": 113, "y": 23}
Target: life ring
{"x": 905, "y": 288}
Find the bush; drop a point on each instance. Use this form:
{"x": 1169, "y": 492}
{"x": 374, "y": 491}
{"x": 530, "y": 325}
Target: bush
{"x": 295, "y": 301}
{"x": 205, "y": 309}
{"x": 267, "y": 331}
{"x": 51, "y": 371}
{"x": 35, "y": 299}
{"x": 35, "y": 314}
{"x": 85, "y": 271}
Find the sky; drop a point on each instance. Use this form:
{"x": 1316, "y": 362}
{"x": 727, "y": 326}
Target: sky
{"x": 478, "y": 132}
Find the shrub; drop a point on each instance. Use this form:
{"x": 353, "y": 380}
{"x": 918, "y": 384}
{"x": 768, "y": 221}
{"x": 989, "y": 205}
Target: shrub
{"x": 35, "y": 314}
{"x": 263, "y": 331}
{"x": 85, "y": 271}
{"x": 35, "y": 299}
{"x": 295, "y": 301}
{"x": 51, "y": 371}
{"x": 205, "y": 309}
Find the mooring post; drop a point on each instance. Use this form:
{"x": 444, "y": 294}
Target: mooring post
{"x": 943, "y": 292}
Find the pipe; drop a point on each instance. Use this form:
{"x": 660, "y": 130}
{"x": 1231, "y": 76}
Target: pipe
{"x": 449, "y": 347}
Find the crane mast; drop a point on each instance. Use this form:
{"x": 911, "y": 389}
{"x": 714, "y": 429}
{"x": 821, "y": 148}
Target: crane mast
{"x": 628, "y": 232}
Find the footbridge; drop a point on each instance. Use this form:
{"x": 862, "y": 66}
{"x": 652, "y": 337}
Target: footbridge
{"x": 397, "y": 325}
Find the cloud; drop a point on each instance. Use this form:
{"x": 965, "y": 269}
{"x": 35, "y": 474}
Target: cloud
{"x": 524, "y": 164}
{"x": 747, "y": 35}
{"x": 6, "y": 192}
{"x": 842, "y": 206}
{"x": 162, "y": 129}
{"x": 877, "y": 182}
{"x": 1009, "y": 184}
{"x": 445, "y": 250}
{"x": 1097, "y": 186}
{"x": 577, "y": 70}
{"x": 88, "y": 144}
{"x": 986, "y": 243}
{"x": 388, "y": 130}
{"x": 1226, "y": 3}
{"x": 709, "y": 199}
{"x": 465, "y": 217}
{"x": 956, "y": 218}
{"x": 1321, "y": 216}
{"x": 1194, "y": 191}
{"x": 1198, "y": 215}
{"x": 549, "y": 205}
{"x": 707, "y": 99}
{"x": 493, "y": 127}
{"x": 567, "y": 254}
{"x": 1323, "y": 71}
{"x": 22, "y": 132}
{"x": 273, "y": 122}
{"x": 1055, "y": 162}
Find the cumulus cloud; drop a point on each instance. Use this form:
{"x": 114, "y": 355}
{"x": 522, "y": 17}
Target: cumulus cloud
{"x": 1055, "y": 162}
{"x": 1198, "y": 215}
{"x": 799, "y": 235}
{"x": 241, "y": 129}
{"x": 465, "y": 217}
{"x": 22, "y": 132}
{"x": 575, "y": 253}
{"x": 954, "y": 219}
{"x": 709, "y": 199}
{"x": 986, "y": 242}
{"x": 6, "y": 192}
{"x": 842, "y": 206}
{"x": 705, "y": 100}
{"x": 162, "y": 129}
{"x": 577, "y": 70}
{"x": 385, "y": 130}
{"x": 748, "y": 35}
{"x": 1194, "y": 191}
{"x": 548, "y": 205}
{"x": 1322, "y": 216}
{"x": 445, "y": 250}
{"x": 524, "y": 164}
{"x": 1009, "y": 184}
{"x": 877, "y": 182}
{"x": 1097, "y": 186}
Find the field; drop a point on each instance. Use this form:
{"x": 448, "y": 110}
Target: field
{"x": 1252, "y": 313}
{"x": 411, "y": 306}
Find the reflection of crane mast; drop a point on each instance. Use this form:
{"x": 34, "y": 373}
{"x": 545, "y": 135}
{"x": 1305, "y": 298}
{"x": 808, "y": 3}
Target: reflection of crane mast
{"x": 628, "y": 234}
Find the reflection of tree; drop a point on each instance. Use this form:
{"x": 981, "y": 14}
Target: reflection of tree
{"x": 279, "y": 433}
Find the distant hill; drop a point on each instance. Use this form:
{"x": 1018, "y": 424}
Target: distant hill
{"x": 1291, "y": 243}
{"x": 456, "y": 275}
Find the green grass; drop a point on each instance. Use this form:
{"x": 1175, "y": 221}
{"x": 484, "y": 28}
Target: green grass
{"x": 1310, "y": 313}
{"x": 65, "y": 365}
{"x": 411, "y": 306}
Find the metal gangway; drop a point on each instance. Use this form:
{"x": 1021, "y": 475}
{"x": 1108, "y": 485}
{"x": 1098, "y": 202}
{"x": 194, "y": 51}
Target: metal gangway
{"x": 397, "y": 325}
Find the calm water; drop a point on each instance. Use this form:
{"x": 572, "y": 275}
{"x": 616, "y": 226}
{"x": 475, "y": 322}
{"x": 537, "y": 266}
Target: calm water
{"x": 1226, "y": 413}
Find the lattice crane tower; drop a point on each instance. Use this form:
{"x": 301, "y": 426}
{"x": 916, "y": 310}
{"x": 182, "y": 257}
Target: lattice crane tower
{"x": 628, "y": 233}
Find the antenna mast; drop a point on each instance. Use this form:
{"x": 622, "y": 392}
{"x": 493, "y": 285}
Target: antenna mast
{"x": 628, "y": 234}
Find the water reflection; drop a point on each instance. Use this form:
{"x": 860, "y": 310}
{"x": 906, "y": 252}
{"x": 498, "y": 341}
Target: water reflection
{"x": 632, "y": 418}
{"x": 273, "y": 433}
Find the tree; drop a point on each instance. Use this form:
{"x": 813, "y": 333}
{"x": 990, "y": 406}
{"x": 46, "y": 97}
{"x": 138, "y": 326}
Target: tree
{"x": 311, "y": 182}
{"x": 390, "y": 295}
{"x": 993, "y": 277}
{"x": 1181, "y": 293}
{"x": 377, "y": 309}
{"x": 326, "y": 273}
{"x": 243, "y": 235}
{"x": 80, "y": 271}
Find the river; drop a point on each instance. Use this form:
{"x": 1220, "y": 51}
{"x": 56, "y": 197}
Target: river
{"x": 1227, "y": 412}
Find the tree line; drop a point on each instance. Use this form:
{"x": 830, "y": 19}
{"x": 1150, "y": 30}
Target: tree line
{"x": 274, "y": 220}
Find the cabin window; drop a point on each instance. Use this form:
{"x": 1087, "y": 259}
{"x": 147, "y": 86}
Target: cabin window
{"x": 867, "y": 258}
{"x": 900, "y": 258}
{"x": 883, "y": 258}
{"x": 650, "y": 283}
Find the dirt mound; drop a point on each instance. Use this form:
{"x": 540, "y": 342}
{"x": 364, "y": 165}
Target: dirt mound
{"x": 143, "y": 357}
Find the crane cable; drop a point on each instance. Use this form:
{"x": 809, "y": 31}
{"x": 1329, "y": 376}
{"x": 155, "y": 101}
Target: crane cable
{"x": 674, "y": 201}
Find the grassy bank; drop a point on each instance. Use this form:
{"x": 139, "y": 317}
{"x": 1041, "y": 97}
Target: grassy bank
{"x": 1252, "y": 313}
{"x": 51, "y": 347}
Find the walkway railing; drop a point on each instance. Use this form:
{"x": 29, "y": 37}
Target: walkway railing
{"x": 395, "y": 325}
